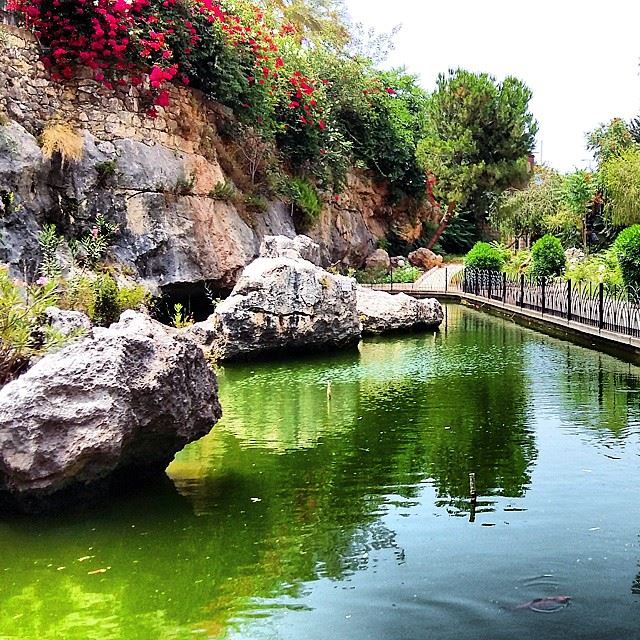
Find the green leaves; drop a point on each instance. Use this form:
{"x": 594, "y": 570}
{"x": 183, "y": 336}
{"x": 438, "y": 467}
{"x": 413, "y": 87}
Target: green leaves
{"x": 478, "y": 135}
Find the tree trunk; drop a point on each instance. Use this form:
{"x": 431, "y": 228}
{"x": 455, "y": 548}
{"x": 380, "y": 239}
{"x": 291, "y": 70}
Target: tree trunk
{"x": 444, "y": 223}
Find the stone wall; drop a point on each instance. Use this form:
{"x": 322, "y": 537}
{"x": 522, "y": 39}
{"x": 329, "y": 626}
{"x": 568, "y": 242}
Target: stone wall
{"x": 169, "y": 236}
{"x": 28, "y": 96}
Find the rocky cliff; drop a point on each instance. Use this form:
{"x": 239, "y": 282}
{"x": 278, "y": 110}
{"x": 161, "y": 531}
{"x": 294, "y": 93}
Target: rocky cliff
{"x": 155, "y": 178}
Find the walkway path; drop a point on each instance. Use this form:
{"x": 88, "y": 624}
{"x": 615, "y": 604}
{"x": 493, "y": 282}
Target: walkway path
{"x": 438, "y": 278}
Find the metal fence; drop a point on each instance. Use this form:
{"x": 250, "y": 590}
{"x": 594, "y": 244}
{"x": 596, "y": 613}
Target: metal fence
{"x": 609, "y": 307}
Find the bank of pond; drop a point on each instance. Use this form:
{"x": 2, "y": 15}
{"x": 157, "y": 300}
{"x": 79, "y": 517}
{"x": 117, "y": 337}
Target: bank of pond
{"x": 346, "y": 514}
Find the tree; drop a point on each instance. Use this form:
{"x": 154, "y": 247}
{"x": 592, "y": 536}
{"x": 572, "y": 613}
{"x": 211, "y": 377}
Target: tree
{"x": 524, "y": 212}
{"x": 620, "y": 178}
{"x": 478, "y": 138}
{"x": 610, "y": 140}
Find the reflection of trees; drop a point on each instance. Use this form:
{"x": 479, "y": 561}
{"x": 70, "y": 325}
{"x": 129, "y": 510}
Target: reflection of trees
{"x": 599, "y": 393}
{"x": 290, "y": 487}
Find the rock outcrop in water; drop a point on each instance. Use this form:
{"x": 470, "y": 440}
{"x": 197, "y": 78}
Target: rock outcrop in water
{"x": 285, "y": 303}
{"x": 121, "y": 402}
{"x": 382, "y": 312}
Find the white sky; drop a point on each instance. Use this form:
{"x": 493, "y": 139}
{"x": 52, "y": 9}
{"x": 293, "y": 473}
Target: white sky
{"x": 580, "y": 59}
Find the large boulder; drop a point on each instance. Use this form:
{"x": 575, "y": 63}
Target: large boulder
{"x": 424, "y": 259}
{"x": 379, "y": 259}
{"x": 382, "y": 312}
{"x": 119, "y": 403}
{"x": 285, "y": 304}
{"x": 298, "y": 247}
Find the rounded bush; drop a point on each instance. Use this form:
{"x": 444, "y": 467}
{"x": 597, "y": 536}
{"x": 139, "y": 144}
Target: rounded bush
{"x": 627, "y": 250}
{"x": 547, "y": 257}
{"x": 483, "y": 256}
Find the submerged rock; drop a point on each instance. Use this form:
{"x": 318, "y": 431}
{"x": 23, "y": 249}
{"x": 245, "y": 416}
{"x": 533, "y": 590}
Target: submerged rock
{"x": 285, "y": 304}
{"x": 382, "y": 312}
{"x": 121, "y": 402}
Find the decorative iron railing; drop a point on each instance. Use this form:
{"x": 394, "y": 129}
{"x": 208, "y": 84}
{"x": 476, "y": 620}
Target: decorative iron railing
{"x": 609, "y": 307}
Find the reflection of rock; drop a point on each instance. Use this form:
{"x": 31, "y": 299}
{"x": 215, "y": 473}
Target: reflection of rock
{"x": 285, "y": 304}
{"x": 298, "y": 247}
{"x": 425, "y": 259}
{"x": 379, "y": 259}
{"x": 381, "y": 312}
{"x": 125, "y": 400}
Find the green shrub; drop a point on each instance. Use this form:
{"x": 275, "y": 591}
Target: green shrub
{"x": 256, "y": 202}
{"x": 305, "y": 196}
{"x": 105, "y": 303}
{"x": 627, "y": 250}
{"x": 484, "y": 256}
{"x": 547, "y": 257}
{"x": 224, "y": 191}
{"x": 22, "y": 335}
{"x": 106, "y": 171}
{"x": 518, "y": 262}
{"x": 401, "y": 275}
{"x": 596, "y": 268}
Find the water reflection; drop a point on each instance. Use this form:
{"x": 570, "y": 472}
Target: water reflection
{"x": 297, "y": 499}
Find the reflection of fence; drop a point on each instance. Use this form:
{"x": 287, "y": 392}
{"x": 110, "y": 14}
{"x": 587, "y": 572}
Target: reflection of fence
{"x": 610, "y": 307}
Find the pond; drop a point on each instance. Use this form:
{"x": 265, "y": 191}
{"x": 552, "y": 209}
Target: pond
{"x": 308, "y": 515}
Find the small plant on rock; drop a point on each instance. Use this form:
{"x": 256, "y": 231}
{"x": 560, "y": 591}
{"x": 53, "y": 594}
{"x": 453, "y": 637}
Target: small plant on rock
{"x": 106, "y": 171}
{"x": 181, "y": 318}
{"x": 224, "y": 191}
{"x": 50, "y": 242}
{"x": 62, "y": 139}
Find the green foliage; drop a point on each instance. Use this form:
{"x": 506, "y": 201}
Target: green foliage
{"x": 185, "y": 184}
{"x": 402, "y": 275}
{"x": 133, "y": 296}
{"x": 478, "y": 135}
{"x": 305, "y": 197}
{"x": 610, "y": 140}
{"x": 621, "y": 183}
{"x": 256, "y": 202}
{"x": 224, "y": 191}
{"x": 627, "y": 250}
{"x": 181, "y": 318}
{"x": 106, "y": 171}
{"x": 49, "y": 242}
{"x": 106, "y": 309}
{"x": 522, "y": 212}
{"x": 547, "y": 257}
{"x": 596, "y": 268}
{"x": 22, "y": 335}
{"x": 518, "y": 262}
{"x": 484, "y": 256}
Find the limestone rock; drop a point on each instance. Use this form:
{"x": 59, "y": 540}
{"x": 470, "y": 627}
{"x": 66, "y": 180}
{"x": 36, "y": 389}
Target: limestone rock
{"x": 379, "y": 259}
{"x": 123, "y": 402}
{"x": 285, "y": 304}
{"x": 298, "y": 247}
{"x": 424, "y": 259}
{"x": 382, "y": 312}
{"x": 68, "y": 323}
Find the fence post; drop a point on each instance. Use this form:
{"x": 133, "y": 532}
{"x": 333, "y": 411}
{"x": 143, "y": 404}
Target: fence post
{"x": 569, "y": 309}
{"x": 601, "y": 306}
{"x": 446, "y": 279}
{"x": 477, "y": 282}
{"x": 504, "y": 287}
{"x": 490, "y": 276}
{"x": 522, "y": 290}
{"x": 543, "y": 282}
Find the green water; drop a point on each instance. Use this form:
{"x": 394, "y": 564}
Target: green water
{"x": 307, "y": 518}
